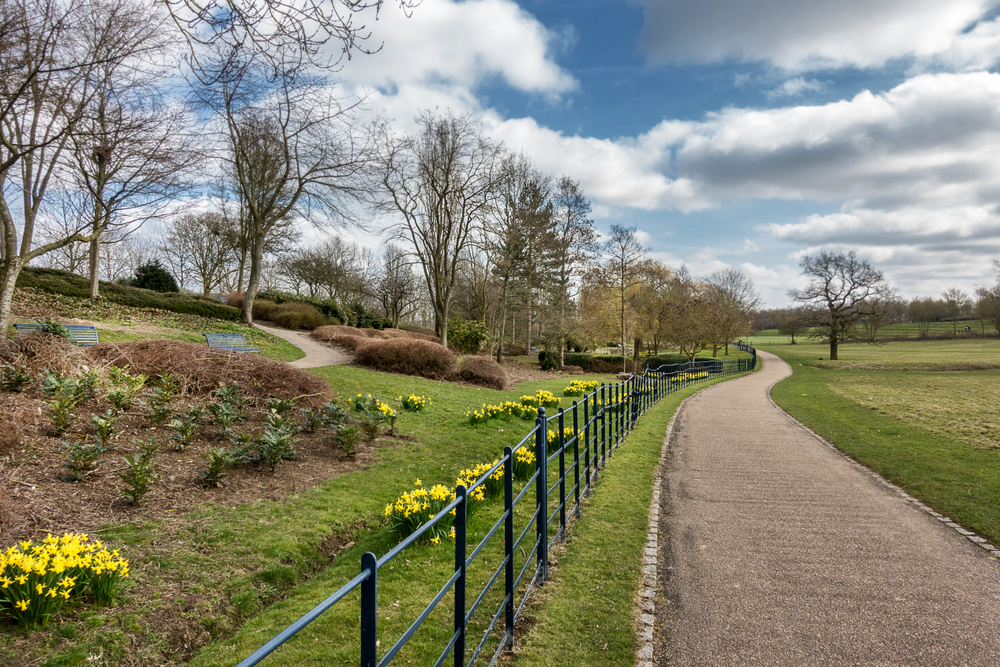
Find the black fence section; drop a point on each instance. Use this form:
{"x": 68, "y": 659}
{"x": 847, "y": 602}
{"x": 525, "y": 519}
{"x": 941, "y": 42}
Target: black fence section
{"x": 568, "y": 461}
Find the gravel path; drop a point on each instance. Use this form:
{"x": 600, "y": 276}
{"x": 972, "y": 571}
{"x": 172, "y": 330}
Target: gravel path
{"x": 317, "y": 354}
{"x": 777, "y": 550}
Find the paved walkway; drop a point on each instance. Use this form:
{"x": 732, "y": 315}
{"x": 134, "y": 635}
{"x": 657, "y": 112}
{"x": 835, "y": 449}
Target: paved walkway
{"x": 776, "y": 550}
{"x": 317, "y": 354}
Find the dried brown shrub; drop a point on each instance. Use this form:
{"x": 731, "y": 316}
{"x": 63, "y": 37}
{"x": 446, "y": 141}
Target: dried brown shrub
{"x": 331, "y": 331}
{"x": 7, "y": 502}
{"x": 201, "y": 370}
{"x": 44, "y": 350}
{"x": 235, "y": 299}
{"x": 572, "y": 370}
{"x": 484, "y": 372}
{"x": 407, "y": 356}
{"x": 605, "y": 366}
{"x": 11, "y": 416}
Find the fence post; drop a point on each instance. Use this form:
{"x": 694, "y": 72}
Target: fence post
{"x": 576, "y": 461}
{"x": 461, "y": 512}
{"x": 369, "y": 611}
{"x": 541, "y": 495}
{"x": 508, "y": 543}
{"x": 562, "y": 474}
{"x": 586, "y": 441}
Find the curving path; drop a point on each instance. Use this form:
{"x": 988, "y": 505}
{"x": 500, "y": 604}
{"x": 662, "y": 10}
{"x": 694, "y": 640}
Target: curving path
{"x": 317, "y": 354}
{"x": 777, "y": 550}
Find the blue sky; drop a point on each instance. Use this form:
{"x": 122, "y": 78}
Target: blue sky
{"x": 733, "y": 132}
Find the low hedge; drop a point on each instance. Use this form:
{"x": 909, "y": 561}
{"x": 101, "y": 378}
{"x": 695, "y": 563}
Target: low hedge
{"x": 70, "y": 284}
{"x": 484, "y": 372}
{"x": 407, "y": 356}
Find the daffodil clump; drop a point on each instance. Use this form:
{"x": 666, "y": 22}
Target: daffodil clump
{"x": 568, "y": 433}
{"x": 524, "y": 463}
{"x": 493, "y": 486}
{"x": 414, "y": 403}
{"x": 541, "y": 399}
{"x": 414, "y": 508}
{"x": 689, "y": 377}
{"x": 506, "y": 411}
{"x": 36, "y": 579}
{"x": 373, "y": 413}
{"x": 580, "y": 387}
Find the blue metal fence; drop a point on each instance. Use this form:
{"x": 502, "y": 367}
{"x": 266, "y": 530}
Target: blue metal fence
{"x": 600, "y": 421}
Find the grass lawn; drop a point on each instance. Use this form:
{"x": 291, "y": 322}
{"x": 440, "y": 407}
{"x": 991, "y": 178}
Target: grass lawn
{"x": 902, "y": 410}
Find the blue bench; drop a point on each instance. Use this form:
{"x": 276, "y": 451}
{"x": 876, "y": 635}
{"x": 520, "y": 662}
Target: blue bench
{"x": 228, "y": 341}
{"x": 81, "y": 334}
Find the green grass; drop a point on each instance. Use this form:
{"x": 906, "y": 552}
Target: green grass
{"x": 899, "y": 410}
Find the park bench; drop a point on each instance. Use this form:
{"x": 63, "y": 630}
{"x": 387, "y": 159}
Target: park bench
{"x": 229, "y": 341}
{"x": 81, "y": 334}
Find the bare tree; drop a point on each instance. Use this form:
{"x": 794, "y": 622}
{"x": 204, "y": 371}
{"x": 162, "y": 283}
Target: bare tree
{"x": 395, "y": 287}
{"x": 650, "y": 302}
{"x": 792, "y": 322}
{"x": 842, "y": 290}
{"x": 314, "y": 28}
{"x": 689, "y": 326}
{"x": 623, "y": 253}
{"x": 958, "y": 304}
{"x": 48, "y": 51}
{"x": 734, "y": 301}
{"x": 573, "y": 244}
{"x": 129, "y": 150}
{"x": 198, "y": 243}
{"x": 441, "y": 182}
{"x": 290, "y": 147}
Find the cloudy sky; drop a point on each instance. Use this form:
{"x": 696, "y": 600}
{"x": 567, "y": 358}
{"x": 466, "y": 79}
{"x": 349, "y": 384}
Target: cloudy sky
{"x": 733, "y": 132}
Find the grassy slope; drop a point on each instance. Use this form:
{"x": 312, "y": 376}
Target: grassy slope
{"x": 937, "y": 466}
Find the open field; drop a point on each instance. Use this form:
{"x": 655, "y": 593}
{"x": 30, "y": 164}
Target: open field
{"x": 905, "y": 411}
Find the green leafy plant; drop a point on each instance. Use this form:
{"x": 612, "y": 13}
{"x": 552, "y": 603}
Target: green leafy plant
{"x": 347, "y": 436}
{"x": 242, "y": 448}
{"x": 105, "y": 425}
{"x": 184, "y": 428}
{"x": 139, "y": 473}
{"x": 218, "y": 460}
{"x": 314, "y": 420}
{"x": 14, "y": 378}
{"x": 66, "y": 394}
{"x": 372, "y": 414}
{"x": 334, "y": 414}
{"x": 281, "y": 406}
{"x": 274, "y": 444}
{"x": 230, "y": 394}
{"x": 54, "y": 328}
{"x": 81, "y": 460}
{"x": 158, "y": 409}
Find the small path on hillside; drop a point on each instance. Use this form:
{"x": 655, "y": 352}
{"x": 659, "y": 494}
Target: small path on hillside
{"x": 317, "y": 354}
{"x": 775, "y": 549}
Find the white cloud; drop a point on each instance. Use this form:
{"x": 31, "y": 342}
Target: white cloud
{"x": 795, "y": 87}
{"x": 461, "y": 44}
{"x": 802, "y": 36}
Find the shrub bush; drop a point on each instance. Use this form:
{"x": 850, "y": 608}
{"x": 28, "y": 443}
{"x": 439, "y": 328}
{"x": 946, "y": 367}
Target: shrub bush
{"x": 235, "y": 299}
{"x": 484, "y": 372}
{"x": 516, "y": 350}
{"x": 301, "y": 316}
{"x": 610, "y": 363}
{"x": 657, "y": 360}
{"x": 576, "y": 359}
{"x": 154, "y": 276}
{"x": 548, "y": 360}
{"x": 410, "y": 357}
{"x": 467, "y": 336}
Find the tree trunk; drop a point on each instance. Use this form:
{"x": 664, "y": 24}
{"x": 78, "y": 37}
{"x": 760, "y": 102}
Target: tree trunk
{"x": 253, "y": 280}
{"x": 11, "y": 268}
{"x": 95, "y": 265}
{"x": 833, "y": 346}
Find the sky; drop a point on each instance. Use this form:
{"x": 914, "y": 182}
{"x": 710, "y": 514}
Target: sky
{"x": 731, "y": 132}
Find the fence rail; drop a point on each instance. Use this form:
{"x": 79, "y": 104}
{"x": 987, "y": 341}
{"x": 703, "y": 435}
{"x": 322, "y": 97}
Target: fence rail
{"x": 600, "y": 421}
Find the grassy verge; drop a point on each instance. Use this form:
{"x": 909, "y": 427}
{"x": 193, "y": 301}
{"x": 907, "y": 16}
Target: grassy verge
{"x": 932, "y": 432}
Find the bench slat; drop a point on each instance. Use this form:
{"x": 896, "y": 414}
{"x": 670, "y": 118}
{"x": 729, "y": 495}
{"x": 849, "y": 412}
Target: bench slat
{"x": 81, "y": 334}
{"x": 232, "y": 342}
